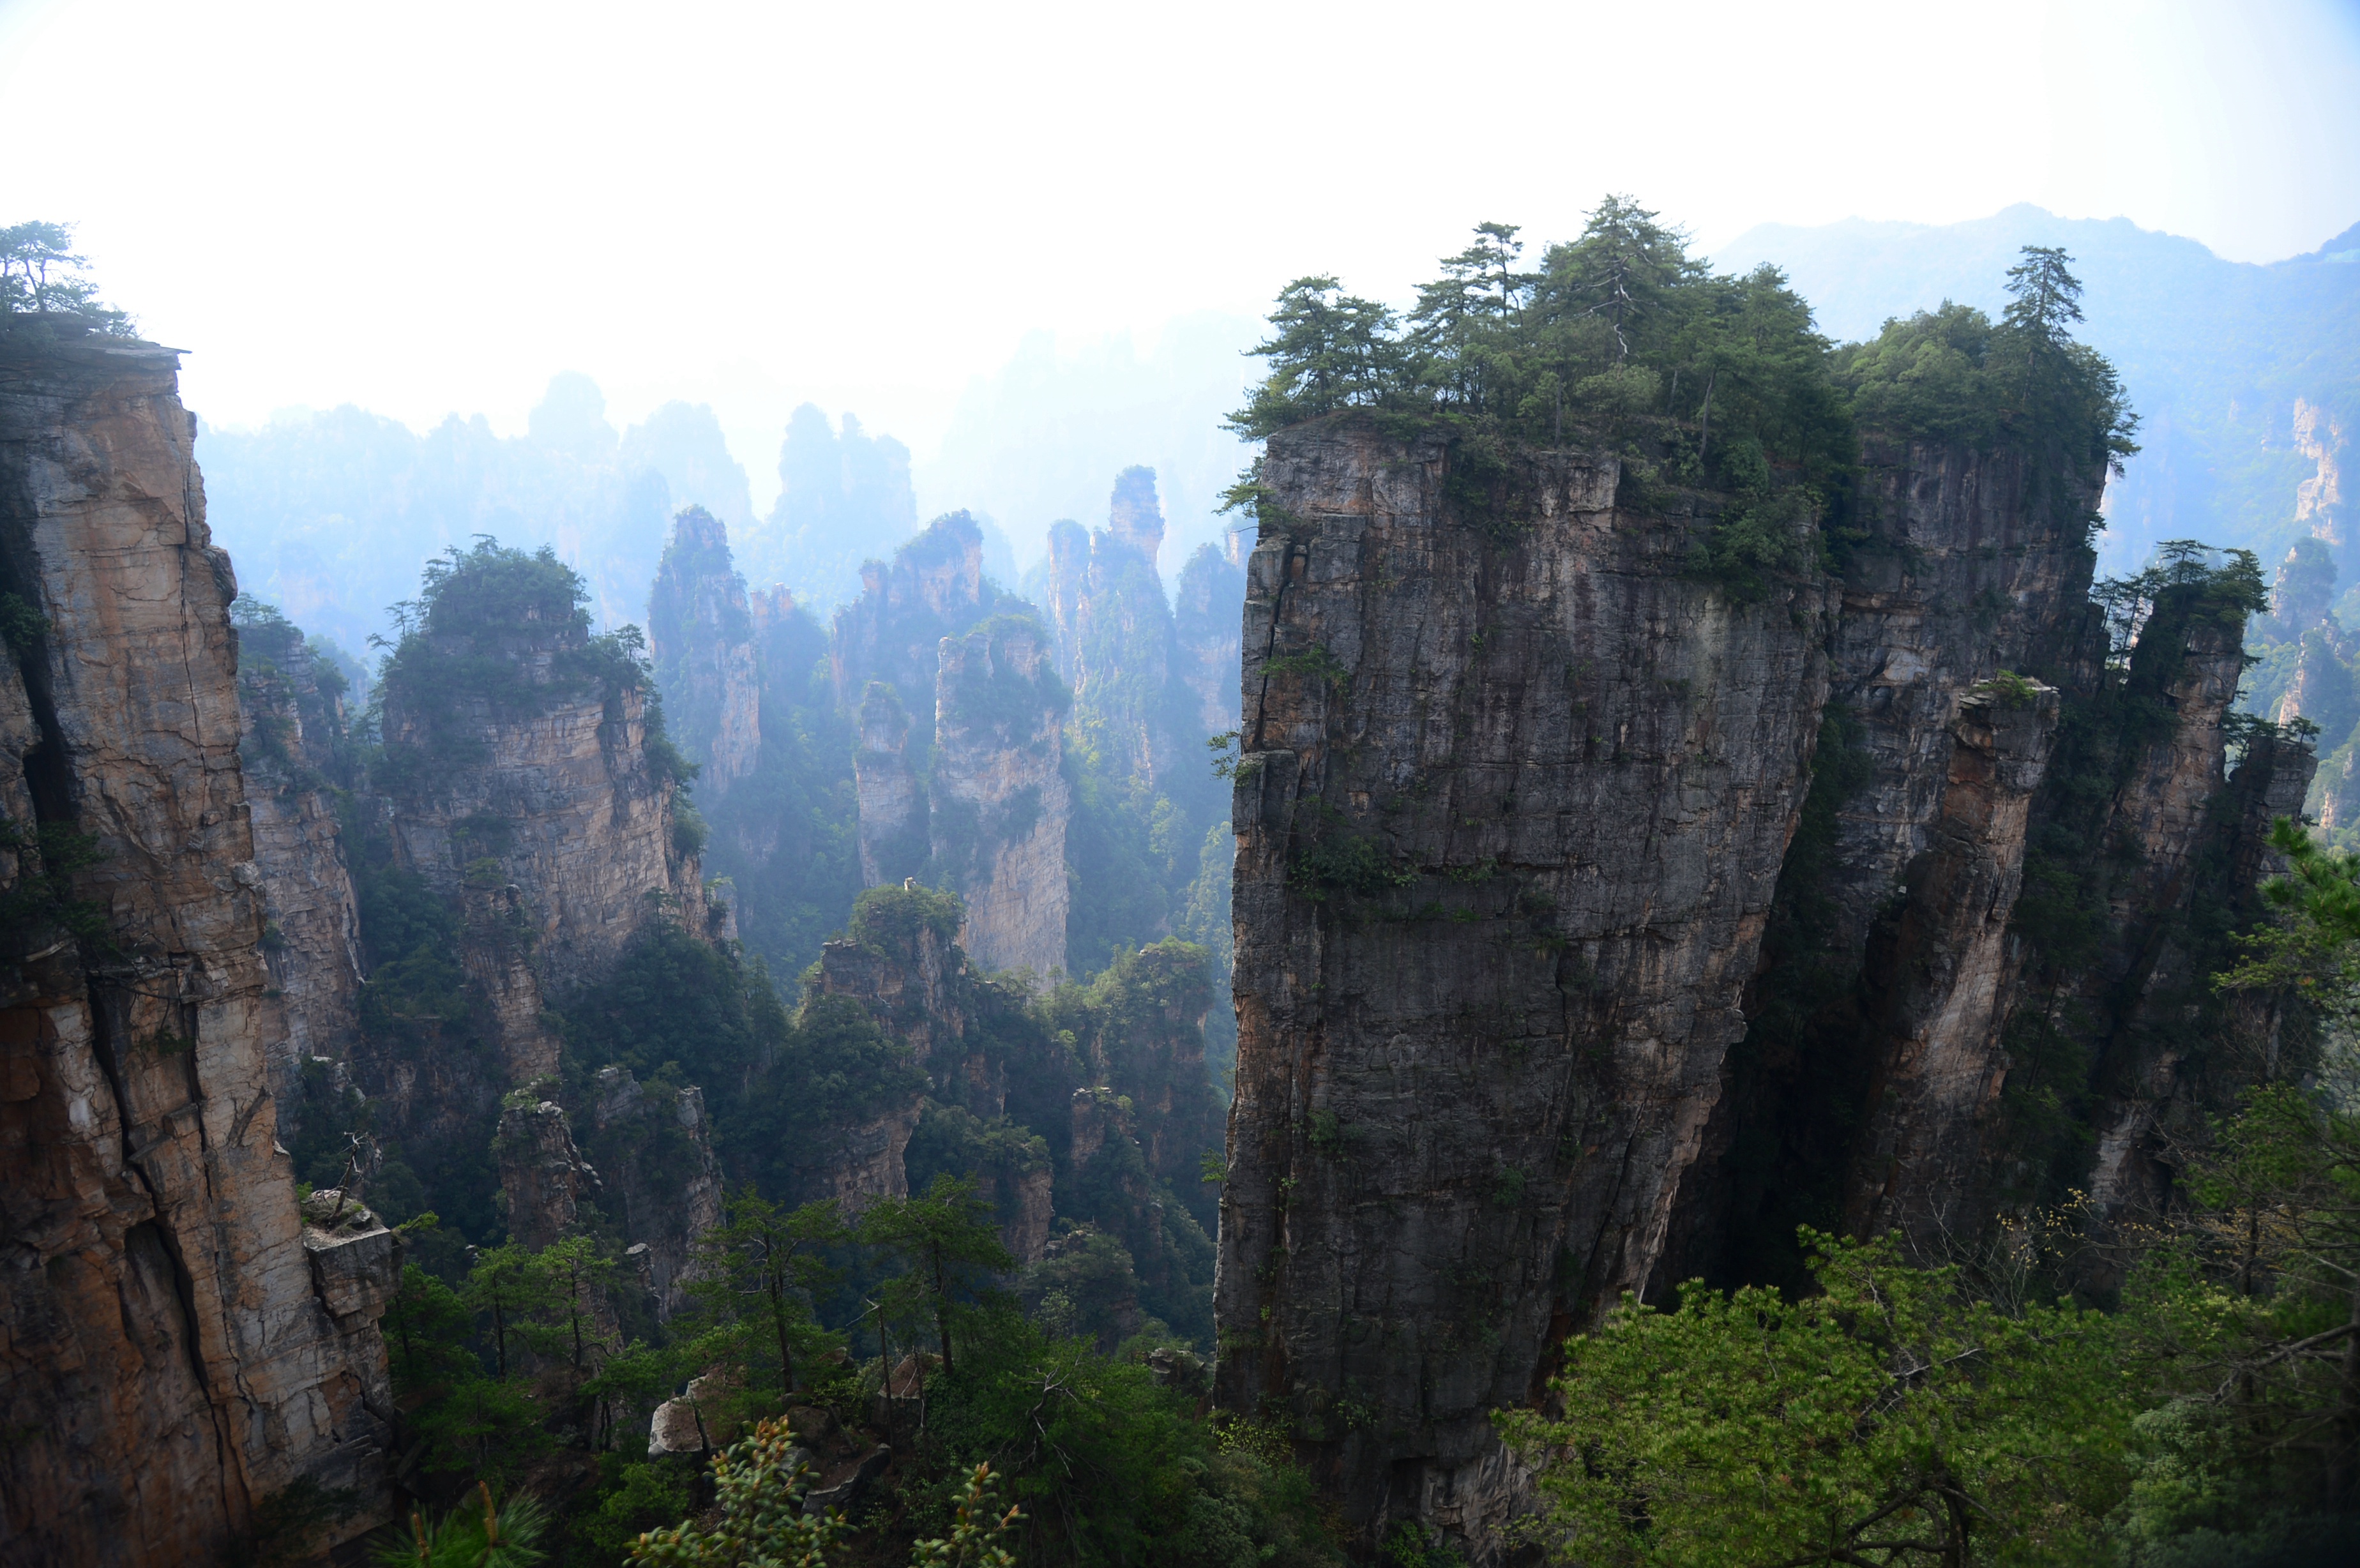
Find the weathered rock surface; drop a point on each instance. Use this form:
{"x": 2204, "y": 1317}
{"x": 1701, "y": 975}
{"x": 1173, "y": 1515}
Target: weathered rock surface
{"x": 1516, "y": 789}
{"x": 701, "y": 634}
{"x": 170, "y": 1358}
{"x": 893, "y": 826}
{"x": 1000, "y": 802}
{"x": 1962, "y": 575}
{"x": 564, "y": 804}
{"x": 312, "y": 933}
{"x": 1944, "y": 975}
{"x": 663, "y": 1182}
{"x": 543, "y": 1175}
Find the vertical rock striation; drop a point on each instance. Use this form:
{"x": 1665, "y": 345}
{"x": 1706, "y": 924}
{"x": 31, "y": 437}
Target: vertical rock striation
{"x": 562, "y": 805}
{"x": 311, "y": 922}
{"x": 178, "y": 1346}
{"x": 1944, "y": 975}
{"x": 1514, "y": 795}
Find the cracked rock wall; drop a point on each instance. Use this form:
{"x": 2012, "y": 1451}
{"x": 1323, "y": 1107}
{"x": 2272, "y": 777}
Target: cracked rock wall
{"x": 173, "y": 1354}
{"x": 1514, "y": 796}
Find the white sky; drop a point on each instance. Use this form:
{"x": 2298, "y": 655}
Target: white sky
{"x": 428, "y": 207}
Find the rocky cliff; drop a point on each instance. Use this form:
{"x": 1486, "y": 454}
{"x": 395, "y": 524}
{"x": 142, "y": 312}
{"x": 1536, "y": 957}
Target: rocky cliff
{"x": 960, "y": 767}
{"x": 1522, "y": 1023}
{"x": 1000, "y": 803}
{"x": 180, "y": 1346}
{"x": 1115, "y": 633}
{"x": 292, "y": 708}
{"x": 701, "y": 634}
{"x": 1514, "y": 793}
{"x": 560, "y": 798}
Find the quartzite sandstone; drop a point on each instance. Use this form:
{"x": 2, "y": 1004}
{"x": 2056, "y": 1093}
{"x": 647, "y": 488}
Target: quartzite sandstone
{"x": 179, "y": 1345}
{"x": 1514, "y": 792}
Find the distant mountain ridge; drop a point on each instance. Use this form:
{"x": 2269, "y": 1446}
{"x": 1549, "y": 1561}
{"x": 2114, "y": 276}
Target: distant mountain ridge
{"x": 2246, "y": 377}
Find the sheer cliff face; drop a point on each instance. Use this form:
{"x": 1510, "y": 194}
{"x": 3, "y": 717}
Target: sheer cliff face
{"x": 1514, "y": 796}
{"x": 178, "y": 1346}
{"x": 933, "y": 588}
{"x": 1966, "y": 571}
{"x": 959, "y": 771}
{"x": 311, "y": 931}
{"x": 567, "y": 805}
{"x": 1944, "y": 975}
{"x": 701, "y": 634}
{"x": 1001, "y": 799}
{"x": 1961, "y": 577}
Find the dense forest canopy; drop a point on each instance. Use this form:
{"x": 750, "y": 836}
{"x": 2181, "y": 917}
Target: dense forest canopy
{"x": 1621, "y": 335}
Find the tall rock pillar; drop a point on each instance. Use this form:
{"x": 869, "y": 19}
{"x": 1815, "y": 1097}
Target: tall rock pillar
{"x": 1515, "y": 790}
{"x": 178, "y": 1346}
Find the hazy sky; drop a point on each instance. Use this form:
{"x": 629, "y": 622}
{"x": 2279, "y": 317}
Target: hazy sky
{"x": 426, "y": 207}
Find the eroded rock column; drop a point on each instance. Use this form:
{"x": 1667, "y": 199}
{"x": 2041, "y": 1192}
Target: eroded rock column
{"x": 1514, "y": 793}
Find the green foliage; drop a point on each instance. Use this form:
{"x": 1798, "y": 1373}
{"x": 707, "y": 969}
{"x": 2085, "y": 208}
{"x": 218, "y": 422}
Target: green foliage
{"x": 1109, "y": 1467}
{"x": 632, "y": 1498}
{"x": 1889, "y": 1418}
{"x": 1336, "y": 861}
{"x": 1952, "y": 375}
{"x": 41, "y": 276}
{"x": 502, "y": 633}
{"x": 946, "y": 1248}
{"x": 887, "y": 920}
{"x": 478, "y": 1533}
{"x": 2009, "y": 689}
{"x": 1003, "y": 698}
{"x": 1314, "y": 663}
{"x": 761, "y": 1268}
{"x": 43, "y": 904}
{"x": 758, "y": 1491}
{"x": 1619, "y": 328}
{"x": 21, "y": 626}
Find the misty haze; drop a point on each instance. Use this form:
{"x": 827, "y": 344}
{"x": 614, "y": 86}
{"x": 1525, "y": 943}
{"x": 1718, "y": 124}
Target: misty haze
{"x": 1251, "y": 787}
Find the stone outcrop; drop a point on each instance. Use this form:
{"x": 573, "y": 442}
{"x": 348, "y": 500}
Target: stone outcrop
{"x": 1000, "y": 802}
{"x": 1943, "y": 974}
{"x": 1115, "y": 644}
{"x": 662, "y": 1183}
{"x": 178, "y": 1349}
{"x": 1205, "y": 621}
{"x": 933, "y": 588}
{"x": 543, "y": 1174}
{"x": 311, "y": 921}
{"x": 563, "y": 804}
{"x": 700, "y": 636}
{"x": 960, "y": 767}
{"x": 893, "y": 822}
{"x": 1959, "y": 579}
{"x": 1515, "y": 794}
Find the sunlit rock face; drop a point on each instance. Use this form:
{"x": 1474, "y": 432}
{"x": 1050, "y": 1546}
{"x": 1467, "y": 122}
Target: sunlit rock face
{"x": 701, "y": 633}
{"x": 178, "y": 1346}
{"x": 1514, "y": 796}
